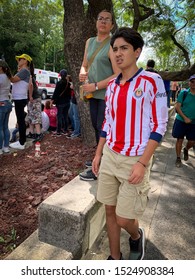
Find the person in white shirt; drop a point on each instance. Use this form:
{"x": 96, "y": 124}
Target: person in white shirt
{"x": 20, "y": 96}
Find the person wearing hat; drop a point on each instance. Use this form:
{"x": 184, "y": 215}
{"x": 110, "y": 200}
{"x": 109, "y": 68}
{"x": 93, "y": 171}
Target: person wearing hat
{"x": 5, "y": 106}
{"x": 61, "y": 97}
{"x": 20, "y": 96}
{"x": 184, "y": 125}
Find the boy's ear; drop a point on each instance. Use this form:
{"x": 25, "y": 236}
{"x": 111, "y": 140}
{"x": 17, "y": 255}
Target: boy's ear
{"x": 138, "y": 52}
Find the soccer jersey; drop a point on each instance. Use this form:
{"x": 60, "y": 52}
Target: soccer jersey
{"x": 135, "y": 112}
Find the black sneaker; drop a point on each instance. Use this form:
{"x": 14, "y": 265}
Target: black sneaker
{"x": 137, "y": 246}
{"x": 185, "y": 151}
{"x": 38, "y": 138}
{"x": 88, "y": 163}
{"x": 56, "y": 134}
{"x": 110, "y": 258}
{"x": 87, "y": 175}
{"x": 178, "y": 162}
{"x": 31, "y": 135}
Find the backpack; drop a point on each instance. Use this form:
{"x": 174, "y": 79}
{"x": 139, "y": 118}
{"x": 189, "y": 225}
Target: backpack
{"x": 184, "y": 97}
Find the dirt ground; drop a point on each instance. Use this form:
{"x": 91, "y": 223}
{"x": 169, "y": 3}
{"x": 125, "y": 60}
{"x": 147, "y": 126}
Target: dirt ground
{"x": 25, "y": 181}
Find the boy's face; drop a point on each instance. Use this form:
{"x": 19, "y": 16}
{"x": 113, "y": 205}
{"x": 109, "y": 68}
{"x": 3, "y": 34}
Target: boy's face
{"x": 124, "y": 54}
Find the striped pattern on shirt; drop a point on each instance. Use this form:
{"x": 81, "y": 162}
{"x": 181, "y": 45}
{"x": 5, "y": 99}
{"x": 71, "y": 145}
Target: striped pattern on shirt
{"x": 135, "y": 112}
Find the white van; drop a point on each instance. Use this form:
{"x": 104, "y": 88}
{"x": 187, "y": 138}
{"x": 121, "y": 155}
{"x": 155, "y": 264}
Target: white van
{"x": 46, "y": 82}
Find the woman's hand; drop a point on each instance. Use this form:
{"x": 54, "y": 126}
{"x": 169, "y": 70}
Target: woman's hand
{"x": 83, "y": 76}
{"x": 89, "y": 87}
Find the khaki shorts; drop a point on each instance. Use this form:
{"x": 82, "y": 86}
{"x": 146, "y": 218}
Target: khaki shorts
{"x": 113, "y": 186}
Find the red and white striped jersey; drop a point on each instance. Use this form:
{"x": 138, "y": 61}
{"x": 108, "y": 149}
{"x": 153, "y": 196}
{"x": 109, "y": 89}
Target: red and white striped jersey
{"x": 135, "y": 112}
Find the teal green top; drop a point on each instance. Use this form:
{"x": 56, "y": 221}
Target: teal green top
{"x": 188, "y": 105}
{"x": 101, "y": 68}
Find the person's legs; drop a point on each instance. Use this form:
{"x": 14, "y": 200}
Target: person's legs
{"x": 65, "y": 115}
{"x": 93, "y": 106}
{"x": 14, "y": 133}
{"x": 59, "y": 118}
{"x": 168, "y": 99}
{"x": 37, "y": 117}
{"x": 178, "y": 147}
{"x": 179, "y": 132}
{"x": 173, "y": 95}
{"x": 71, "y": 116}
{"x": 113, "y": 231}
{"x": 19, "y": 109}
{"x": 100, "y": 116}
{"x": 2, "y": 118}
{"x": 190, "y": 136}
{"x": 6, "y": 130}
{"x": 130, "y": 200}
{"x": 76, "y": 119}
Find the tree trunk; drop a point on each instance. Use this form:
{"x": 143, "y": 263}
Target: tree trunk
{"x": 182, "y": 75}
{"x": 80, "y": 24}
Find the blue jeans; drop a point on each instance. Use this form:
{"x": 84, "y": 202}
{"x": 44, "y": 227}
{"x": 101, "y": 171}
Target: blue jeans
{"x": 4, "y": 119}
{"x": 62, "y": 117}
{"x": 97, "y": 112}
{"x": 74, "y": 116}
{"x": 14, "y": 132}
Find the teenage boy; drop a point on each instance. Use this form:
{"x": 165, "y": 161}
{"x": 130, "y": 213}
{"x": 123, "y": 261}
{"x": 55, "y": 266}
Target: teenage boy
{"x": 135, "y": 121}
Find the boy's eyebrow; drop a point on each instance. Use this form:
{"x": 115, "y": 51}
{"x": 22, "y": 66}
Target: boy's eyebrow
{"x": 126, "y": 45}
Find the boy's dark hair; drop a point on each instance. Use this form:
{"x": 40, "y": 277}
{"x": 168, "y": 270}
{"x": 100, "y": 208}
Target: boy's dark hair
{"x": 130, "y": 35}
{"x": 151, "y": 63}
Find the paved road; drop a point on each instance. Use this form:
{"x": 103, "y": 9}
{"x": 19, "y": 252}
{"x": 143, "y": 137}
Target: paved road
{"x": 169, "y": 220}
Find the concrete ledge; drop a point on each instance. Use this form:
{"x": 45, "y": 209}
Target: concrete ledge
{"x": 33, "y": 249}
{"x": 71, "y": 218}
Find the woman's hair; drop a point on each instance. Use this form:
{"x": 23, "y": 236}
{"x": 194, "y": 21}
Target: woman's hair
{"x": 31, "y": 68}
{"x": 47, "y": 104}
{"x": 5, "y": 68}
{"x": 130, "y": 35}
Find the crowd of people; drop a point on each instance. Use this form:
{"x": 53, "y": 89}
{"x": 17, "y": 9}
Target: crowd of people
{"x": 129, "y": 113}
{"x": 31, "y": 114}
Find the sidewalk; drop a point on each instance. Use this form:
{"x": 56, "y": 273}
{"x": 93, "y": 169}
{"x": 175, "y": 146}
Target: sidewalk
{"x": 169, "y": 220}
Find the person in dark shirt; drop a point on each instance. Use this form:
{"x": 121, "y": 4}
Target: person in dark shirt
{"x": 61, "y": 97}
{"x": 150, "y": 66}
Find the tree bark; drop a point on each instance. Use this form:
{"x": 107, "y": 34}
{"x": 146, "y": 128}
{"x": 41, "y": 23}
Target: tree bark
{"x": 181, "y": 75}
{"x": 80, "y": 24}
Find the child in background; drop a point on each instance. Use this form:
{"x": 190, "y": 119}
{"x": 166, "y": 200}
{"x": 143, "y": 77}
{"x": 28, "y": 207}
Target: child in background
{"x": 45, "y": 119}
{"x": 51, "y": 111}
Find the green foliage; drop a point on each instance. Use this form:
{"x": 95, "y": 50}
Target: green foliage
{"x": 33, "y": 27}
{"x": 36, "y": 27}
{"x": 9, "y": 241}
{"x": 157, "y": 29}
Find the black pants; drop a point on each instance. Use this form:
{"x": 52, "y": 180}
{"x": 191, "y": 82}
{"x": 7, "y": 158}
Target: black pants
{"x": 97, "y": 112}
{"x": 62, "y": 117}
{"x": 20, "y": 115}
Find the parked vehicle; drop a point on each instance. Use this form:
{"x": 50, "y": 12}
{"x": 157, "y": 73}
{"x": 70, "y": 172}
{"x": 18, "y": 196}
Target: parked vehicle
{"x": 46, "y": 82}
